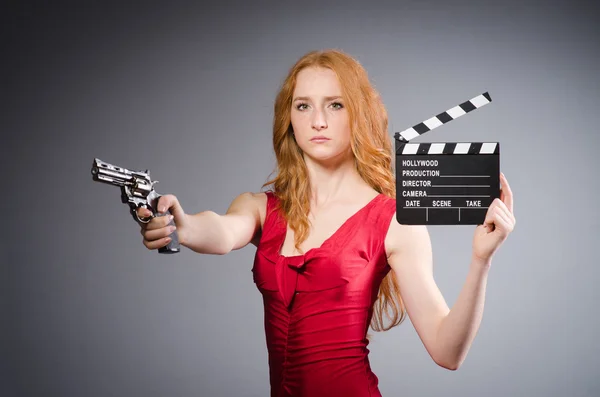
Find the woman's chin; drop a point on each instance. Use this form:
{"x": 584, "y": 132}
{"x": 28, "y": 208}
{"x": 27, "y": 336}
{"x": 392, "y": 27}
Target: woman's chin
{"x": 327, "y": 157}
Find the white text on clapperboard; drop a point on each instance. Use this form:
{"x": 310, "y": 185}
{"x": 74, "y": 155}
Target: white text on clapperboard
{"x": 426, "y": 173}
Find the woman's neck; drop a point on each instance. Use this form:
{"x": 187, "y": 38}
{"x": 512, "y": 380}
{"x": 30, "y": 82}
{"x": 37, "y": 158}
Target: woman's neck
{"x": 333, "y": 182}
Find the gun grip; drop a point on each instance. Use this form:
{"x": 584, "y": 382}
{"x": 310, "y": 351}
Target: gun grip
{"x": 173, "y": 246}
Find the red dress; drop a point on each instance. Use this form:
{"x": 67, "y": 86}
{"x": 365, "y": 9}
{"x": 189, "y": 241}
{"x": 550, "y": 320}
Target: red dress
{"x": 318, "y": 306}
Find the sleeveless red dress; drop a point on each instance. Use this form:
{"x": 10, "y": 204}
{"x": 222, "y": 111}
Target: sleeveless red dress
{"x": 318, "y": 306}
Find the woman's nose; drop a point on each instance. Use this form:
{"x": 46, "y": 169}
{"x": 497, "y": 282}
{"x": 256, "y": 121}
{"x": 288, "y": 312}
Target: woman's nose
{"x": 318, "y": 121}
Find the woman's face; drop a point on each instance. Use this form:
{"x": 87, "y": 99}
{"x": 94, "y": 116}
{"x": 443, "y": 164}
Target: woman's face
{"x": 319, "y": 110}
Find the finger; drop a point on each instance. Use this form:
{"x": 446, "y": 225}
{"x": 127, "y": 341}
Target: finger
{"x": 158, "y": 234}
{"x": 503, "y": 225}
{"x": 507, "y": 195}
{"x": 165, "y": 220}
{"x": 490, "y": 215}
{"x": 500, "y": 215}
{"x": 143, "y": 213}
{"x": 151, "y": 245}
{"x": 508, "y": 215}
{"x": 154, "y": 225}
{"x": 488, "y": 222}
{"x": 170, "y": 202}
{"x": 165, "y": 202}
{"x": 490, "y": 211}
{"x": 160, "y": 222}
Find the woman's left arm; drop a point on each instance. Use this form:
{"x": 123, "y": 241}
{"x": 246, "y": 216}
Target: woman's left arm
{"x": 447, "y": 334}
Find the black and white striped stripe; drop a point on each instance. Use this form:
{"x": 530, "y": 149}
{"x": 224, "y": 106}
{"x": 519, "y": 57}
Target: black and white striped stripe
{"x": 444, "y": 117}
{"x": 450, "y": 148}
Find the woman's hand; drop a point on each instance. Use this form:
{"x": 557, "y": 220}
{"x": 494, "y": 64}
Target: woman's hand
{"x": 157, "y": 232}
{"x": 499, "y": 222}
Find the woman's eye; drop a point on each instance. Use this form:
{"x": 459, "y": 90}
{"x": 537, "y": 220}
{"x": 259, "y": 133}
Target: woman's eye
{"x": 336, "y": 105}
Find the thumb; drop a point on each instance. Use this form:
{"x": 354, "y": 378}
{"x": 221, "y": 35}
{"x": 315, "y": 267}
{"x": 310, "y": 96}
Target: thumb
{"x": 488, "y": 224}
{"x": 170, "y": 202}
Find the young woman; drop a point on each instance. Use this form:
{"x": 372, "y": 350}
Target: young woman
{"x": 331, "y": 258}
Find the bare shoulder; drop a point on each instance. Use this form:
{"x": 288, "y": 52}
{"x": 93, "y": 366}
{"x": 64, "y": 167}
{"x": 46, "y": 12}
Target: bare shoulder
{"x": 260, "y": 204}
{"x": 249, "y": 208}
{"x": 248, "y": 201}
{"x": 401, "y": 237}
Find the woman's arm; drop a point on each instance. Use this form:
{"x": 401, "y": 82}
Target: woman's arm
{"x": 212, "y": 233}
{"x": 446, "y": 334}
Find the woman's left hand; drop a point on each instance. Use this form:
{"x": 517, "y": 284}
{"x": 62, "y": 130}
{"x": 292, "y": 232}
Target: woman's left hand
{"x": 499, "y": 222}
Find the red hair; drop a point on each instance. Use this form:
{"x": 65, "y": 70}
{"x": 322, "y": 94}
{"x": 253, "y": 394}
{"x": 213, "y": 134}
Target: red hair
{"x": 371, "y": 147}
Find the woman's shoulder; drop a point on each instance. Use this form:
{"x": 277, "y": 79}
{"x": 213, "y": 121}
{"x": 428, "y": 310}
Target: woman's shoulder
{"x": 261, "y": 203}
{"x": 252, "y": 198}
{"x": 259, "y": 200}
{"x": 251, "y": 205}
{"x": 260, "y": 196}
{"x": 254, "y": 203}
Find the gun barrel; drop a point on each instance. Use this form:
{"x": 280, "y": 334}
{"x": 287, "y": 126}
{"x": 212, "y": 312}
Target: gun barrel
{"x": 139, "y": 181}
{"x": 112, "y": 180}
{"x": 109, "y": 173}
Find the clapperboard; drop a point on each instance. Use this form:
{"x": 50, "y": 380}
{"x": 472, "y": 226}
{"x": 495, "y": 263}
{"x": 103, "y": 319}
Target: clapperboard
{"x": 445, "y": 183}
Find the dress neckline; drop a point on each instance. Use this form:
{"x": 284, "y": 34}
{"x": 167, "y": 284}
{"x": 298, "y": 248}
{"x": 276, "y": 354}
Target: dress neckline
{"x": 328, "y": 239}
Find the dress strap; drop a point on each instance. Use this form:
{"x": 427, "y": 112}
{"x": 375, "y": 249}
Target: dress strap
{"x": 273, "y": 222}
{"x": 378, "y": 222}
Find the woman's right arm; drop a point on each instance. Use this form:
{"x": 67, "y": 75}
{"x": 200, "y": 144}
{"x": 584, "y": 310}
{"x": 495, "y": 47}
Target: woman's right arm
{"x": 211, "y": 233}
{"x": 207, "y": 232}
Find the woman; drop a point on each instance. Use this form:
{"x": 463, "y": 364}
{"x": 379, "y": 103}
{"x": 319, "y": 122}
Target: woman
{"x": 331, "y": 258}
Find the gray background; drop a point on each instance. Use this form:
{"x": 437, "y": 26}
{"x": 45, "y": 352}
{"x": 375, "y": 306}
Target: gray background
{"x": 187, "y": 92}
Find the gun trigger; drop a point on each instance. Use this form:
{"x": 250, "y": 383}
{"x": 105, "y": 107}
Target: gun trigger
{"x": 141, "y": 220}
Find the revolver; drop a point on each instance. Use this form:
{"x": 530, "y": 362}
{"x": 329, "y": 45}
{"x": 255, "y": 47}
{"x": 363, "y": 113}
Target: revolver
{"x": 137, "y": 190}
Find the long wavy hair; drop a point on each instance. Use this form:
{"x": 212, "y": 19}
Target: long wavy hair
{"x": 370, "y": 145}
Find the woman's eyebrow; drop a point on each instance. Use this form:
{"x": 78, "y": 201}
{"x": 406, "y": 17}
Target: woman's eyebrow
{"x": 327, "y": 98}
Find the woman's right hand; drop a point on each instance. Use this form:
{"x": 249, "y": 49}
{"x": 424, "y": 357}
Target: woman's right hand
{"x": 156, "y": 232}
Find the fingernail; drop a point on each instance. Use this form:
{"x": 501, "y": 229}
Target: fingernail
{"x": 161, "y": 209}
{"x": 171, "y": 217}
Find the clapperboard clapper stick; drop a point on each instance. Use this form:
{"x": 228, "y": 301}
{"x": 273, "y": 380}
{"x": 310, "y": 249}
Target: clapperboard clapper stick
{"x": 445, "y": 183}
